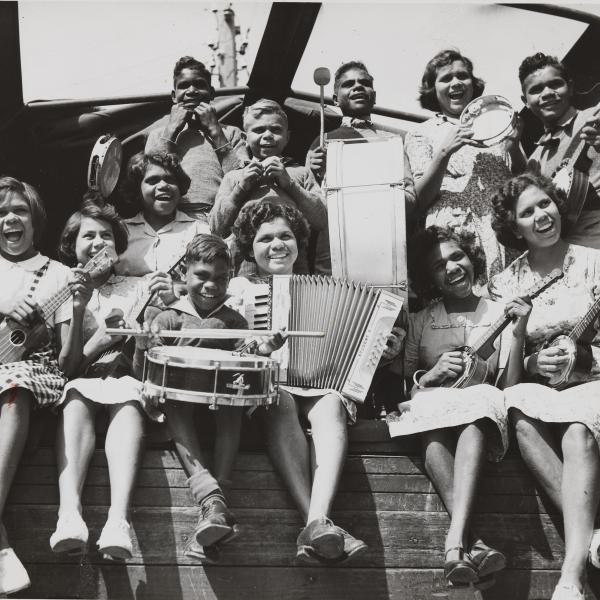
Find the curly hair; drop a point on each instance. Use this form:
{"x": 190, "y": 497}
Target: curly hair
{"x": 427, "y": 94}
{"x": 130, "y": 190}
{"x": 189, "y": 62}
{"x": 423, "y": 242}
{"x": 92, "y": 207}
{"x": 254, "y": 214}
{"x": 347, "y": 66}
{"x": 207, "y": 248}
{"x": 505, "y": 199}
{"x": 9, "y": 186}
{"x": 538, "y": 61}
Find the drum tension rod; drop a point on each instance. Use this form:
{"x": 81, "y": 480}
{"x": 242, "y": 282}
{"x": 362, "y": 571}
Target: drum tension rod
{"x": 213, "y": 404}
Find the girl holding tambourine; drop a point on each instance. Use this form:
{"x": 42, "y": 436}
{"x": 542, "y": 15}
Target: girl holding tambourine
{"x": 455, "y": 175}
{"x": 558, "y": 431}
{"x": 457, "y": 425}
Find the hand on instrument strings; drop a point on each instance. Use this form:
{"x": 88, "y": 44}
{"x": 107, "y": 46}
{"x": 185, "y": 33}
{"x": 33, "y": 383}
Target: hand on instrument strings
{"x": 206, "y": 116}
{"x": 81, "y": 288}
{"x": 459, "y": 136}
{"x": 274, "y": 170}
{"x": 590, "y": 132}
{"x": 177, "y": 119}
{"x": 395, "y": 343}
{"x": 251, "y": 175}
{"x": 26, "y": 313}
{"x": 547, "y": 361}
{"x": 449, "y": 366}
{"x": 316, "y": 161}
{"x": 161, "y": 284}
{"x": 270, "y": 344}
{"x": 519, "y": 310}
{"x": 151, "y": 339}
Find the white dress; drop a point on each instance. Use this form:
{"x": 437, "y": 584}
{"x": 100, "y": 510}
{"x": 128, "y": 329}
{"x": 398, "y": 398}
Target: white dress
{"x": 556, "y": 311}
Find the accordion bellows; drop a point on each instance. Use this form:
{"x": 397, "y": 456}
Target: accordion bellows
{"x": 355, "y": 318}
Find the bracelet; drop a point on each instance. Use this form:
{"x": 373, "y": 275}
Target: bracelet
{"x": 166, "y": 139}
{"x": 418, "y": 374}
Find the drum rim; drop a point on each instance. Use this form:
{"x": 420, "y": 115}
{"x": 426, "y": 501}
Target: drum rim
{"x": 106, "y": 146}
{"x": 179, "y": 395}
{"x": 227, "y": 361}
{"x": 500, "y": 101}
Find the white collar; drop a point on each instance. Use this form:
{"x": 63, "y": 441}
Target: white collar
{"x": 184, "y": 305}
{"x": 180, "y": 217}
{"x": 32, "y": 264}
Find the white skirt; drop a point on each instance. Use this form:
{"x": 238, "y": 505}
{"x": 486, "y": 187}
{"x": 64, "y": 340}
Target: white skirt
{"x": 441, "y": 408}
{"x": 578, "y": 404}
{"x": 112, "y": 390}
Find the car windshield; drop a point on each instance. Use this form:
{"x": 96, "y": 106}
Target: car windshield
{"x": 74, "y": 50}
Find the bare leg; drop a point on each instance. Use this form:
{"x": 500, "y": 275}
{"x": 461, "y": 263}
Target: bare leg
{"x": 580, "y": 494}
{"x": 540, "y": 454}
{"x": 288, "y": 450}
{"x": 438, "y": 448}
{"x": 468, "y": 462}
{"x": 123, "y": 447}
{"x": 327, "y": 418}
{"x": 75, "y": 443}
{"x": 180, "y": 419}
{"x": 15, "y": 409}
{"x": 228, "y": 420}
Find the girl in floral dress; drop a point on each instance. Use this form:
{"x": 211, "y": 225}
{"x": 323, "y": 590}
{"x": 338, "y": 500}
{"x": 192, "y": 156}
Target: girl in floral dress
{"x": 558, "y": 431}
{"x": 455, "y": 177}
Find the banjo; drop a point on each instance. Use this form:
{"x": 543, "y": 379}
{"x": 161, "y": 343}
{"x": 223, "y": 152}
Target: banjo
{"x": 475, "y": 358}
{"x": 577, "y": 348}
{"x": 571, "y": 179}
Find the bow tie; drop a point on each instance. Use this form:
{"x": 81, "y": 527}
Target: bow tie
{"x": 361, "y": 123}
{"x": 357, "y": 123}
{"x": 548, "y": 140}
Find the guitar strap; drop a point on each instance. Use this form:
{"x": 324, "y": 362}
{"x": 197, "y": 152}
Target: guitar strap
{"x": 36, "y": 278}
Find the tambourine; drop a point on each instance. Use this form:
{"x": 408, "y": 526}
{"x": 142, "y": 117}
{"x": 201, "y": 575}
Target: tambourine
{"x": 105, "y": 165}
{"x": 492, "y": 117}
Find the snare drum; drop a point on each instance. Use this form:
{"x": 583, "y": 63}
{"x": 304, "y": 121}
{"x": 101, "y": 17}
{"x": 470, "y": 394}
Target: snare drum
{"x": 207, "y": 376}
{"x": 492, "y": 117}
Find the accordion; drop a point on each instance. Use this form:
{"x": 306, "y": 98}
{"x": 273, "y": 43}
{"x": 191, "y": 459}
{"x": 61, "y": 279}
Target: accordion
{"x": 355, "y": 318}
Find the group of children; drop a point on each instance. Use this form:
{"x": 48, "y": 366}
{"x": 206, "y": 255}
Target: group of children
{"x": 198, "y": 182}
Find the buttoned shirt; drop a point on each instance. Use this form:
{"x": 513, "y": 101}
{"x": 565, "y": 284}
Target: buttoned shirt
{"x": 152, "y": 250}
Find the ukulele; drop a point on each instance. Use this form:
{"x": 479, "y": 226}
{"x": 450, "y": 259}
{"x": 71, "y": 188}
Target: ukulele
{"x": 475, "y": 365}
{"x": 15, "y": 339}
{"x": 578, "y": 351}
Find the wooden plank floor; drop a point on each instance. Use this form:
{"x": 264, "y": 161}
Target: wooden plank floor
{"x": 384, "y": 499}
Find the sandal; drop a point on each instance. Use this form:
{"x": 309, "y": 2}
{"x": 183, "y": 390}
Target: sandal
{"x": 461, "y": 570}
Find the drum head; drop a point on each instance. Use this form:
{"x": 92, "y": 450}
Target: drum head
{"x": 492, "y": 119}
{"x": 105, "y": 165}
{"x": 204, "y": 357}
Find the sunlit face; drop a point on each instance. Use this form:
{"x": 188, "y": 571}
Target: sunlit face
{"x": 274, "y": 248}
{"x": 355, "y": 94}
{"x": 191, "y": 88}
{"x": 206, "y": 284}
{"x": 16, "y": 228}
{"x": 453, "y": 88}
{"x": 94, "y": 235}
{"x": 547, "y": 94}
{"x": 451, "y": 270}
{"x": 160, "y": 192}
{"x": 537, "y": 219}
{"x": 266, "y": 135}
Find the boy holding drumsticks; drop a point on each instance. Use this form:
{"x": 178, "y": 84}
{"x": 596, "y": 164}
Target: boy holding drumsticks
{"x": 208, "y": 267}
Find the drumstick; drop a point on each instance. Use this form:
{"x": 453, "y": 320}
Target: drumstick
{"x": 211, "y": 334}
{"x": 322, "y": 77}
